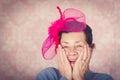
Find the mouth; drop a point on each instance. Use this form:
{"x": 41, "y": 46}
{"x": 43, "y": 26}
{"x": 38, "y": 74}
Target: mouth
{"x": 72, "y": 62}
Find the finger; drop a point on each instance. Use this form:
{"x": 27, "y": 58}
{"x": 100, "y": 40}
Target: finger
{"x": 61, "y": 58}
{"x": 58, "y": 56}
{"x": 89, "y": 55}
{"x": 61, "y": 61}
{"x": 80, "y": 58}
{"x": 65, "y": 57}
{"x": 62, "y": 51}
{"x": 84, "y": 68}
{"x": 58, "y": 53}
{"x": 85, "y": 52}
{"x": 79, "y": 61}
{"x": 62, "y": 54}
{"x": 66, "y": 62}
{"x": 86, "y": 58}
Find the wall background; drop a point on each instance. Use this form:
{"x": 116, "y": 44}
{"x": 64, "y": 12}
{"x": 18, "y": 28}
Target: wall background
{"x": 23, "y": 27}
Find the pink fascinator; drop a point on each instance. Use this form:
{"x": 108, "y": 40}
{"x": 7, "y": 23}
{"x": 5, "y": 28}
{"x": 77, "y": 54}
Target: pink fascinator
{"x": 66, "y": 22}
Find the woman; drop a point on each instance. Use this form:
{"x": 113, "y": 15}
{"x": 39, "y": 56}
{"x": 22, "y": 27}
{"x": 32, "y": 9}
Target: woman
{"x": 71, "y": 39}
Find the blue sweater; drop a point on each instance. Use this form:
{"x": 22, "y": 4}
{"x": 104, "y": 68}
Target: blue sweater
{"x": 53, "y": 74}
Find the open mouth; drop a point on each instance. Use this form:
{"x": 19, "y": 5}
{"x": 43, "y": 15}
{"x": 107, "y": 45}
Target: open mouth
{"x": 72, "y": 62}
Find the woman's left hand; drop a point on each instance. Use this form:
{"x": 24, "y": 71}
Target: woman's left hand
{"x": 82, "y": 64}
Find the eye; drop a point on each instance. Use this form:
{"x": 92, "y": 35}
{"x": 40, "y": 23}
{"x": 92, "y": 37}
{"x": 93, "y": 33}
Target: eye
{"x": 78, "y": 46}
{"x": 65, "y": 47}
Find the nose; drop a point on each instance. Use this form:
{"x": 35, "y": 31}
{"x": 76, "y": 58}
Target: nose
{"x": 72, "y": 52}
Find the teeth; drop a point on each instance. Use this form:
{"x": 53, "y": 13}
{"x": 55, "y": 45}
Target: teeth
{"x": 72, "y": 61}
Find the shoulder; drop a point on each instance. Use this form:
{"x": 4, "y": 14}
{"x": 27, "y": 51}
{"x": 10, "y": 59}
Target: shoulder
{"x": 102, "y": 76}
{"x": 98, "y": 76}
{"x": 49, "y": 69}
{"x": 48, "y": 73}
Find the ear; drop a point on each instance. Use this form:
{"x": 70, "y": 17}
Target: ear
{"x": 92, "y": 47}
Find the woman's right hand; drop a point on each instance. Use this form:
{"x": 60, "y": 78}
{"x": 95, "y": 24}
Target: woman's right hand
{"x": 63, "y": 64}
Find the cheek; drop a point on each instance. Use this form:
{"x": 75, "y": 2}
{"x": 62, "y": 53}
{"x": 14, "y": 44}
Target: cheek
{"x": 79, "y": 49}
{"x": 66, "y": 50}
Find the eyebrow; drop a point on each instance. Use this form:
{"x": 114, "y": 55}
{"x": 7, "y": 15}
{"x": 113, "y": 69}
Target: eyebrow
{"x": 78, "y": 41}
{"x": 75, "y": 42}
{"x": 64, "y": 42}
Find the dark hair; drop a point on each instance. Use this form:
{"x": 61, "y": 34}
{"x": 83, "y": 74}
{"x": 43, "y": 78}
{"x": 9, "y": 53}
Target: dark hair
{"x": 88, "y": 34}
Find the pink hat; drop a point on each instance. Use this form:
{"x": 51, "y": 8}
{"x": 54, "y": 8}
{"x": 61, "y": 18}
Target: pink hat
{"x": 51, "y": 42}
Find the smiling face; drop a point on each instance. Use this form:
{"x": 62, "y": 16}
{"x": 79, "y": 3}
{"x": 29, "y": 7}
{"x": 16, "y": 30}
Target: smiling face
{"x": 72, "y": 42}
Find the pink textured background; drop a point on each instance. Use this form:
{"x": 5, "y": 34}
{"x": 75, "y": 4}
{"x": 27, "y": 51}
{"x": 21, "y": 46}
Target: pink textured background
{"x": 23, "y": 27}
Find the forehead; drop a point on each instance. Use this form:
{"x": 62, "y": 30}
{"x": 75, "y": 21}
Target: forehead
{"x": 73, "y": 36}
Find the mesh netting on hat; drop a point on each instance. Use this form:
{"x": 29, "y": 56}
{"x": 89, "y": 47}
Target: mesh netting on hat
{"x": 71, "y": 20}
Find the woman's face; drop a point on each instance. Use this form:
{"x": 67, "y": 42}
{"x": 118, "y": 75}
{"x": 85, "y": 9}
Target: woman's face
{"x": 73, "y": 42}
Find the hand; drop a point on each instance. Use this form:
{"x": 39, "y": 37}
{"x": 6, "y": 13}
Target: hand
{"x": 82, "y": 64}
{"x": 63, "y": 64}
